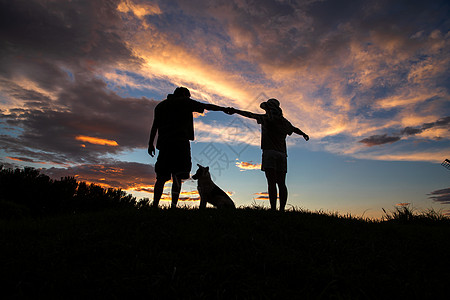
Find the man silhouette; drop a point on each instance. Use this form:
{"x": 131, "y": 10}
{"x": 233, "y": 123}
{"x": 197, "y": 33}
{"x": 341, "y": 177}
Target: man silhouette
{"x": 174, "y": 123}
{"x": 274, "y": 129}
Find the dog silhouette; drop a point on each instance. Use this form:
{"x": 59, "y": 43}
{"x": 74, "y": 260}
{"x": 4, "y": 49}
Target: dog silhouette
{"x": 209, "y": 191}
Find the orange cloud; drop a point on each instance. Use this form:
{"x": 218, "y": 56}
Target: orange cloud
{"x": 430, "y": 156}
{"x": 139, "y": 10}
{"x": 184, "y": 196}
{"x": 243, "y": 165}
{"x": 262, "y": 196}
{"x": 149, "y": 189}
{"x": 96, "y": 141}
{"x": 337, "y": 112}
{"x": 189, "y": 196}
{"x": 166, "y": 196}
{"x": 24, "y": 159}
{"x": 117, "y": 174}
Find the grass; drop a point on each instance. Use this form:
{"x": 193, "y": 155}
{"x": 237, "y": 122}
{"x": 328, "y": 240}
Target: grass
{"x": 250, "y": 253}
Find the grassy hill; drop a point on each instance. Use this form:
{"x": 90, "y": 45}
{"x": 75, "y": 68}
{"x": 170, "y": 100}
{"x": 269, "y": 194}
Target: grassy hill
{"x": 68, "y": 239}
{"x": 247, "y": 253}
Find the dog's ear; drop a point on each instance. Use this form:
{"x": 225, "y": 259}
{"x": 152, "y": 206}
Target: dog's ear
{"x": 207, "y": 168}
{"x": 199, "y": 165}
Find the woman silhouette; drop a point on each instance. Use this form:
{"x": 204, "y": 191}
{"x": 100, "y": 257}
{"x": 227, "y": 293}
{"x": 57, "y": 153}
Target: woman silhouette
{"x": 274, "y": 129}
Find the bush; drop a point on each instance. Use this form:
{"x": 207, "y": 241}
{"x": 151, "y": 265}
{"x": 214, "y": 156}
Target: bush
{"x": 26, "y": 191}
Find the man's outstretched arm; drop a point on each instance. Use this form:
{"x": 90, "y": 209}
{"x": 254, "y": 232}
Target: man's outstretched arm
{"x": 214, "y": 107}
{"x": 299, "y": 132}
{"x": 246, "y": 114}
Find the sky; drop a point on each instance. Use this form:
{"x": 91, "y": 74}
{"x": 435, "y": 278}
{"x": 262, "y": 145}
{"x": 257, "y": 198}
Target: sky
{"x": 368, "y": 81}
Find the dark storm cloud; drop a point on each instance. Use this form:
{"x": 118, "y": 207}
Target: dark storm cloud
{"x": 441, "y": 196}
{"x": 310, "y": 34}
{"x": 443, "y": 122}
{"x": 30, "y": 97}
{"x": 120, "y": 174}
{"x": 60, "y": 47}
{"x": 376, "y": 140}
{"x": 86, "y": 109}
{"x": 38, "y": 36}
{"x": 411, "y": 131}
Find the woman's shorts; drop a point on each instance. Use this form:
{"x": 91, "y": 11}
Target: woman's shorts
{"x": 272, "y": 159}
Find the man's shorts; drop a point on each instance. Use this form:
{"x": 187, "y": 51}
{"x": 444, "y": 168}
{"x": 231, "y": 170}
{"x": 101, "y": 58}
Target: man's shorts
{"x": 272, "y": 159}
{"x": 174, "y": 159}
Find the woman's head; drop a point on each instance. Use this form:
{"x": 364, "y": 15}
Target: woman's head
{"x": 272, "y": 106}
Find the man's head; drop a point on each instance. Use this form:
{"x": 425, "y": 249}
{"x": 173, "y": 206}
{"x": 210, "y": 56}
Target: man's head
{"x": 182, "y": 92}
{"x": 272, "y": 105}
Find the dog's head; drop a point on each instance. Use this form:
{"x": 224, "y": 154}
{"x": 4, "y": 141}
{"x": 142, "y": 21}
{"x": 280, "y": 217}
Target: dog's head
{"x": 201, "y": 172}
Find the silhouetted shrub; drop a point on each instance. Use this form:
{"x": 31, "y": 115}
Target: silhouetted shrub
{"x": 406, "y": 214}
{"x": 26, "y": 191}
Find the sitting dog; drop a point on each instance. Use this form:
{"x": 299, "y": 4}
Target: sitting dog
{"x": 209, "y": 191}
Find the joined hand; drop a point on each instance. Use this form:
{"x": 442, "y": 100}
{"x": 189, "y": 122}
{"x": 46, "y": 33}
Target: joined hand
{"x": 229, "y": 110}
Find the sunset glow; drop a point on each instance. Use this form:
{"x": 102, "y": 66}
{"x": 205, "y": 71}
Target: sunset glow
{"x": 95, "y": 141}
{"x": 248, "y": 165}
{"x": 368, "y": 81}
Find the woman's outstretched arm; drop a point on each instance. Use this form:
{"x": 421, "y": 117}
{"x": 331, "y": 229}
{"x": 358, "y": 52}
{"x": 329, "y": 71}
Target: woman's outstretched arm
{"x": 299, "y": 132}
{"x": 246, "y": 114}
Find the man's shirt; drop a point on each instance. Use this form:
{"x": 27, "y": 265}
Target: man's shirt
{"x": 174, "y": 120}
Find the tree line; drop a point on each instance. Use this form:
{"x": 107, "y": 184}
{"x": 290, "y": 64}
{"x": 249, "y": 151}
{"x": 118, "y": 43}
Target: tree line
{"x": 26, "y": 192}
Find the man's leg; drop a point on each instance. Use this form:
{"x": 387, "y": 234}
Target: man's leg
{"x": 176, "y": 188}
{"x": 272, "y": 186}
{"x": 281, "y": 181}
{"x": 157, "y": 191}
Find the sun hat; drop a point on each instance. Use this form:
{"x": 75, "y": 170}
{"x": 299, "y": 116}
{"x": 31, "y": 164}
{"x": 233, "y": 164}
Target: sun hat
{"x": 273, "y": 105}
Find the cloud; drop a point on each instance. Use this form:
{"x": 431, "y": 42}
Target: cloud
{"x": 50, "y": 60}
{"x": 39, "y": 36}
{"x": 119, "y": 174}
{"x": 441, "y": 196}
{"x": 185, "y": 196}
{"x": 342, "y": 75}
{"x": 80, "y": 111}
{"x": 336, "y": 74}
{"x": 140, "y": 10}
{"x": 376, "y": 140}
{"x": 243, "y": 165}
{"x": 25, "y": 159}
{"x": 432, "y": 155}
{"x": 262, "y": 196}
{"x": 189, "y": 196}
{"x": 95, "y": 140}
{"x": 147, "y": 189}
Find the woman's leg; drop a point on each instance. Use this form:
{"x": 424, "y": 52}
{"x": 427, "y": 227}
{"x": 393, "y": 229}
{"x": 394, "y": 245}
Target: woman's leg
{"x": 272, "y": 186}
{"x": 281, "y": 181}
